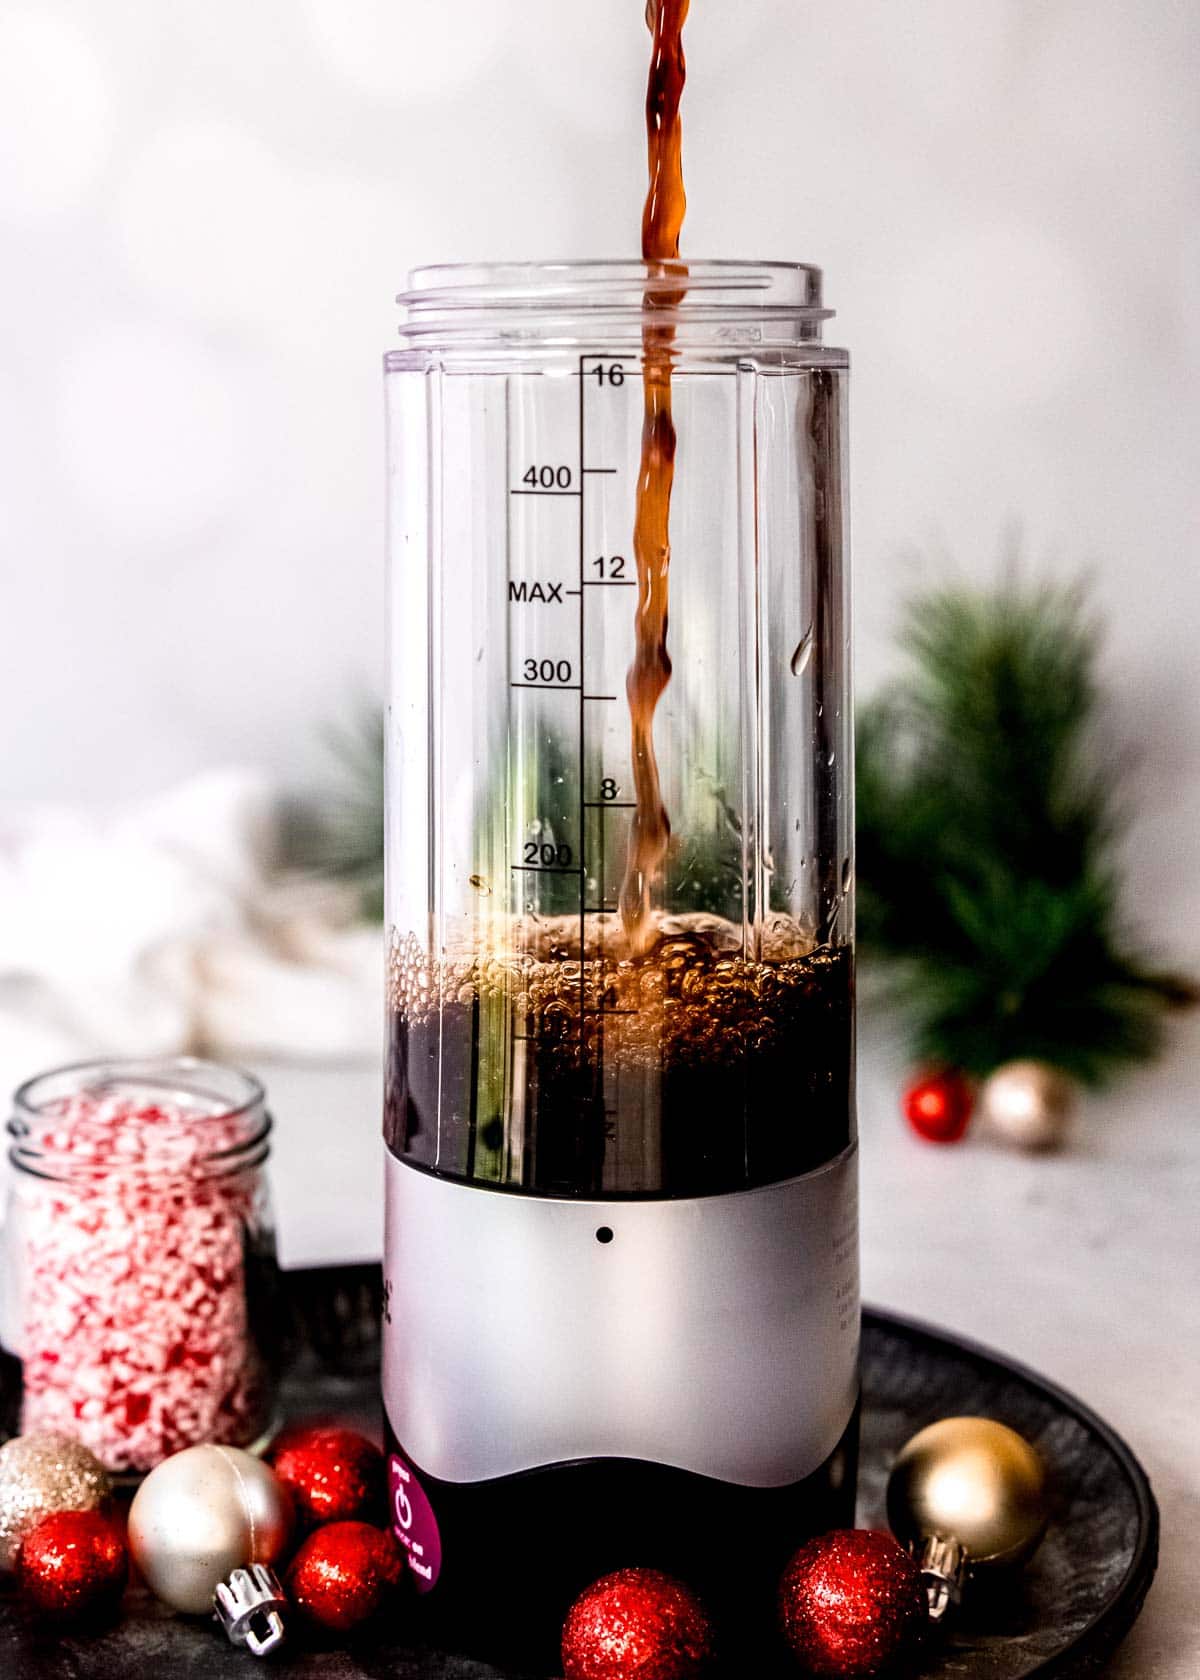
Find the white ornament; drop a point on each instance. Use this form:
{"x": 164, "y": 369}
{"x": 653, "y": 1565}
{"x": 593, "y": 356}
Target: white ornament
{"x": 1029, "y": 1104}
{"x": 203, "y": 1514}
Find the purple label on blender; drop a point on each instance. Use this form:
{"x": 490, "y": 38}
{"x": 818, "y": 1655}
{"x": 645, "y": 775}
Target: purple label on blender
{"x": 414, "y": 1523}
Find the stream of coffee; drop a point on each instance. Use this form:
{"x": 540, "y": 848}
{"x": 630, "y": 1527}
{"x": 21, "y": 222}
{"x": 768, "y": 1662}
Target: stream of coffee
{"x": 650, "y": 1051}
{"x": 662, "y": 220}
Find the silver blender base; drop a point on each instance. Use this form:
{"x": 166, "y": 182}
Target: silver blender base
{"x": 615, "y": 1378}
{"x": 573, "y": 1385}
{"x": 715, "y": 1334}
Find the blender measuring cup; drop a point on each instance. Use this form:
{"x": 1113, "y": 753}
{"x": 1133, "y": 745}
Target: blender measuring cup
{"x": 532, "y": 1045}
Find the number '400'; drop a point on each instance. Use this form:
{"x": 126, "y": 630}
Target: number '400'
{"x": 547, "y": 478}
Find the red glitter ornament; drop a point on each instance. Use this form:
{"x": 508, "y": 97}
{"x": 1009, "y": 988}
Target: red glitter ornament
{"x": 637, "y": 1624}
{"x": 336, "y": 1475}
{"x": 343, "y": 1573}
{"x": 73, "y": 1564}
{"x": 852, "y": 1605}
{"x": 938, "y": 1105}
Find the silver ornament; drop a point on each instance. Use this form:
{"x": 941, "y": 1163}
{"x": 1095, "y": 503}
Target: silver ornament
{"x": 40, "y": 1473}
{"x": 1029, "y": 1104}
{"x": 203, "y": 1514}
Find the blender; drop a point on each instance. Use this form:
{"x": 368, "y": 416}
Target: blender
{"x": 621, "y": 1285}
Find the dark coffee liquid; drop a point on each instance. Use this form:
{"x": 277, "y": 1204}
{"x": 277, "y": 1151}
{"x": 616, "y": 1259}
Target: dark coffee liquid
{"x": 707, "y": 1071}
{"x": 662, "y": 221}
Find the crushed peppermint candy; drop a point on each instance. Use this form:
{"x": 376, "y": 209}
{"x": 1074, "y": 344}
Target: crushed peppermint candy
{"x": 132, "y": 1311}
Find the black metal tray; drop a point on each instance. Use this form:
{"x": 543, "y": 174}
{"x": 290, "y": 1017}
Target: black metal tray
{"x": 1062, "y": 1616}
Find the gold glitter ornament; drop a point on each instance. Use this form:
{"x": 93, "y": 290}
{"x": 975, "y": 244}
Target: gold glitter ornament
{"x": 40, "y": 1473}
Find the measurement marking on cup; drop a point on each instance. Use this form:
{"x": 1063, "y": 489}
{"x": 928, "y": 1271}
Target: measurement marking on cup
{"x": 536, "y": 555}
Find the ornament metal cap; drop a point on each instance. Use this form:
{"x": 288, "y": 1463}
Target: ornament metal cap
{"x": 943, "y": 1565}
{"x": 250, "y": 1606}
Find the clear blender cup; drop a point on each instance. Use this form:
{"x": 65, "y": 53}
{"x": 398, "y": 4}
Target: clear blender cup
{"x": 622, "y": 1245}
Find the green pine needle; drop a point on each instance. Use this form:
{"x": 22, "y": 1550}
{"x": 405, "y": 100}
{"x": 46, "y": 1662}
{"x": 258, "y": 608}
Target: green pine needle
{"x": 988, "y": 808}
{"x": 337, "y": 835}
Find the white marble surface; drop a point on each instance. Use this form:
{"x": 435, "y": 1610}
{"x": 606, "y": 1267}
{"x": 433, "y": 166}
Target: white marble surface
{"x": 1085, "y": 1265}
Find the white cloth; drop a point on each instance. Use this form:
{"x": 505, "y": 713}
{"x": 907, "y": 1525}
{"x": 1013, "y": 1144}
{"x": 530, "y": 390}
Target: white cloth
{"x": 160, "y": 928}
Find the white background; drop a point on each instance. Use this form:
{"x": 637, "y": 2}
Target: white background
{"x": 206, "y": 207}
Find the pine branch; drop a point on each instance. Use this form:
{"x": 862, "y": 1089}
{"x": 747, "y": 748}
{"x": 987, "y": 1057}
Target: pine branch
{"x": 337, "y": 835}
{"x": 988, "y": 810}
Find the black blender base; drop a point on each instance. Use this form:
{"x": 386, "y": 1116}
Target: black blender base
{"x": 516, "y": 1551}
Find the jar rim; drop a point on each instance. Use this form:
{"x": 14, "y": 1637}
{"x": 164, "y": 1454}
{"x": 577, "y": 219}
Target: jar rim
{"x": 448, "y": 296}
{"x": 236, "y": 1121}
{"x": 146, "y": 1070}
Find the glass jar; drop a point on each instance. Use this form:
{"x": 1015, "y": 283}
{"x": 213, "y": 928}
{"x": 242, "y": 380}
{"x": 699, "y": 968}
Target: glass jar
{"x": 140, "y": 1277}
